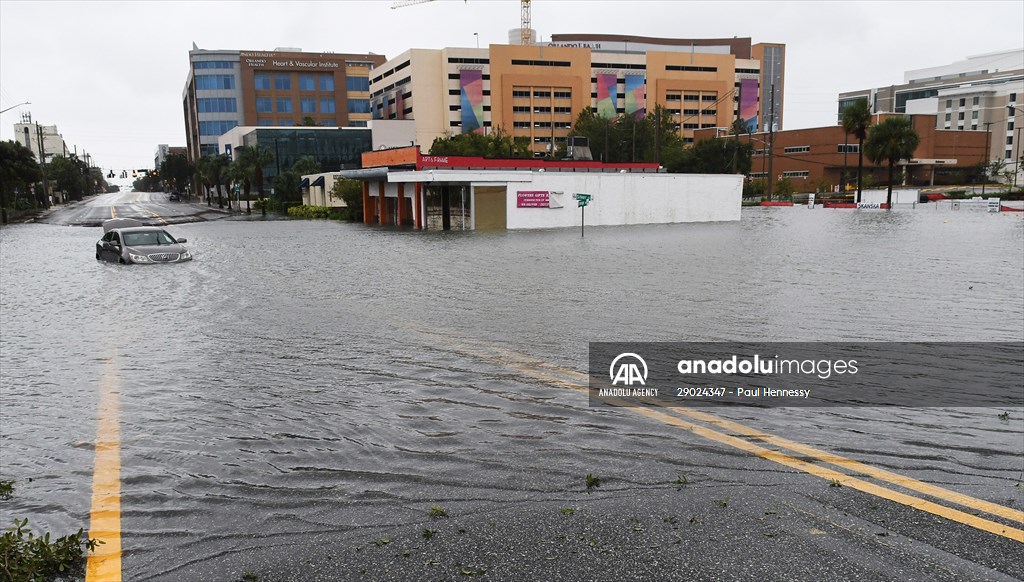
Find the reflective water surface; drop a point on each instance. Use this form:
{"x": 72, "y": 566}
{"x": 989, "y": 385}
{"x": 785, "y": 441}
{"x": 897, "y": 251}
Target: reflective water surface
{"x": 302, "y": 376}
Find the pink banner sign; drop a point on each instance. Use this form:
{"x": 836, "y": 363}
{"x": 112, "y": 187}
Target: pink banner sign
{"x": 532, "y": 199}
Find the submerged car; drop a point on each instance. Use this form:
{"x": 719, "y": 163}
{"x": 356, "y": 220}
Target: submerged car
{"x": 127, "y": 241}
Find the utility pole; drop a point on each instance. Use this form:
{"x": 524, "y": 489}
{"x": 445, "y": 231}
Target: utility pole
{"x": 988, "y": 143}
{"x": 42, "y": 165}
{"x": 771, "y": 142}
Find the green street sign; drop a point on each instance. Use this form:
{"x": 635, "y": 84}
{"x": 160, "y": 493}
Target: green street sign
{"x": 583, "y": 199}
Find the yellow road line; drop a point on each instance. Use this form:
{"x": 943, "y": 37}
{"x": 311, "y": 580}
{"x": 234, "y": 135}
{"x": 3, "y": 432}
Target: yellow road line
{"x": 784, "y": 459}
{"x": 113, "y": 213}
{"x": 827, "y": 457}
{"x": 104, "y": 563}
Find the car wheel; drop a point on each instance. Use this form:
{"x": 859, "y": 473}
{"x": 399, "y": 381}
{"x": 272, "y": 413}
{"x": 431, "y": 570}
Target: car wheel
{"x": 97, "y": 256}
{"x": 122, "y": 261}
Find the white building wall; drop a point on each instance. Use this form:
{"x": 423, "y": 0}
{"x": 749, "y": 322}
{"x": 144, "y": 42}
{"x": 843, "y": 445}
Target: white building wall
{"x": 620, "y": 199}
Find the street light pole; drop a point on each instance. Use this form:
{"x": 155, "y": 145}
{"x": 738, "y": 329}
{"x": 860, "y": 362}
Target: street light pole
{"x": 13, "y": 106}
{"x": 988, "y": 144}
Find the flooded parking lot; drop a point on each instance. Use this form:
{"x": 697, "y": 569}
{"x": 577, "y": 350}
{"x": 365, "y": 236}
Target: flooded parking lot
{"x": 303, "y": 390}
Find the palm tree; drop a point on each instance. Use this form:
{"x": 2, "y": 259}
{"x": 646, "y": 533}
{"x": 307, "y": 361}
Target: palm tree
{"x": 254, "y": 158}
{"x": 238, "y": 171}
{"x": 892, "y": 140}
{"x": 856, "y": 121}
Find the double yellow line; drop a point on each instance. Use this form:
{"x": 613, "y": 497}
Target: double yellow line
{"x": 741, "y": 437}
{"x": 104, "y": 563}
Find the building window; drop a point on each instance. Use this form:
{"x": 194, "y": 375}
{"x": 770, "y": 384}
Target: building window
{"x": 261, "y": 81}
{"x": 960, "y": 116}
{"x": 1009, "y": 125}
{"x": 520, "y": 109}
{"x": 358, "y": 105}
{"x": 284, "y": 105}
{"x": 691, "y": 126}
{"x": 963, "y": 102}
{"x": 691, "y": 97}
{"x": 1013, "y": 97}
{"x": 848, "y": 148}
{"x": 1009, "y": 140}
{"x": 542, "y": 94}
{"x": 283, "y": 82}
{"x": 215, "y": 82}
{"x": 949, "y": 116}
{"x": 307, "y": 105}
{"x": 307, "y": 83}
{"x": 357, "y": 83}
{"x": 264, "y": 122}
{"x": 227, "y": 65}
{"x": 264, "y": 105}
{"x": 563, "y": 94}
{"x": 541, "y": 63}
{"x": 546, "y": 110}
{"x": 1009, "y": 154}
{"x": 974, "y": 115}
{"x": 949, "y": 103}
{"x": 563, "y": 110}
{"x": 208, "y": 149}
{"x": 327, "y": 82}
{"x": 797, "y": 149}
{"x": 709, "y": 112}
{"x": 328, "y": 106}
{"x": 520, "y": 93}
{"x": 285, "y": 122}
{"x": 217, "y": 128}
{"x": 691, "y": 111}
{"x": 976, "y": 101}
{"x": 796, "y": 174}
{"x": 1010, "y": 112}
{"x": 216, "y": 105}
{"x": 521, "y": 124}
{"x": 330, "y": 122}
{"x": 708, "y": 98}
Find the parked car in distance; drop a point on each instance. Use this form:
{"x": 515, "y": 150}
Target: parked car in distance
{"x": 128, "y": 241}
{"x": 174, "y": 197}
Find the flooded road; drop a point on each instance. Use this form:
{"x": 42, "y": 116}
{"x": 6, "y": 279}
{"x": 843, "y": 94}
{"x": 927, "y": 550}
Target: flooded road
{"x": 302, "y": 391}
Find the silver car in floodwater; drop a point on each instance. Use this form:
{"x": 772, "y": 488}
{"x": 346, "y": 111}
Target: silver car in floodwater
{"x": 127, "y": 241}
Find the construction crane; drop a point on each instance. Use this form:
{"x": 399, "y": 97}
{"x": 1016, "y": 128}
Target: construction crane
{"x": 525, "y": 37}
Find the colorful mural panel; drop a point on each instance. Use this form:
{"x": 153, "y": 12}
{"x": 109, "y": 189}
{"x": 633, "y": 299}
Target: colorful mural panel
{"x": 748, "y": 103}
{"x": 636, "y": 96}
{"x": 471, "y": 85}
{"x": 606, "y": 95}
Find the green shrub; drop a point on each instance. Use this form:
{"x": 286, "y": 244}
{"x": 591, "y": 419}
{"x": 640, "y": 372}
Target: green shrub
{"x": 24, "y": 556}
{"x": 309, "y": 212}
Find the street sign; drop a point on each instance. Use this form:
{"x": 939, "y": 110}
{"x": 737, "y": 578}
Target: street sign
{"x": 810, "y": 200}
{"x": 582, "y": 199}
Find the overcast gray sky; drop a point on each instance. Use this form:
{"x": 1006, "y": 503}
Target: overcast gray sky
{"x": 110, "y": 74}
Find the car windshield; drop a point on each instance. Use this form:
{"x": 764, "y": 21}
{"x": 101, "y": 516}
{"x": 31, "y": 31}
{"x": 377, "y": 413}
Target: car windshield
{"x": 147, "y": 238}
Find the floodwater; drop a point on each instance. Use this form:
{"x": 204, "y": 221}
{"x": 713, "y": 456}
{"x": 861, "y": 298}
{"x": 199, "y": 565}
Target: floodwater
{"x": 300, "y": 377}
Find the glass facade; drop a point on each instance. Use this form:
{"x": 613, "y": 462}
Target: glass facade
{"x": 307, "y": 105}
{"x": 261, "y": 81}
{"x": 307, "y": 83}
{"x": 357, "y": 83}
{"x": 333, "y": 148}
{"x": 327, "y": 106}
{"x": 214, "y": 82}
{"x": 284, "y": 105}
{"x": 217, "y": 105}
{"x": 358, "y": 105}
{"x": 327, "y": 82}
{"x": 216, "y": 128}
{"x": 213, "y": 65}
{"x": 283, "y": 82}
{"x": 264, "y": 105}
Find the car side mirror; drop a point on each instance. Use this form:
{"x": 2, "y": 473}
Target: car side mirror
{"x": 182, "y": 240}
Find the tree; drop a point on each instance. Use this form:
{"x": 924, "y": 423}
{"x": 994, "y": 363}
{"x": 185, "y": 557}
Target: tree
{"x": 252, "y": 160}
{"x": 18, "y": 169}
{"x": 286, "y": 186}
{"x": 69, "y": 174}
{"x": 856, "y": 121}
{"x": 715, "y": 156}
{"x": 308, "y": 121}
{"x": 214, "y": 170}
{"x": 494, "y": 144}
{"x": 351, "y": 191}
{"x": 176, "y": 170}
{"x": 238, "y": 171}
{"x": 891, "y": 141}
